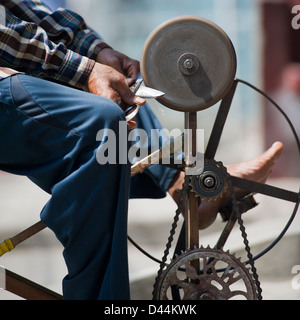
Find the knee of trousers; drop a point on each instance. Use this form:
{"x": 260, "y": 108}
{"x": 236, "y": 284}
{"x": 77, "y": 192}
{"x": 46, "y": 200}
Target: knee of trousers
{"x": 108, "y": 115}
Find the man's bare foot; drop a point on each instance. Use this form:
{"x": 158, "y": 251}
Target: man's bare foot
{"x": 257, "y": 169}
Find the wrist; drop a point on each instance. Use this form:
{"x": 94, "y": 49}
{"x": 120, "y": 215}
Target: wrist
{"x": 101, "y": 50}
{"x": 75, "y": 69}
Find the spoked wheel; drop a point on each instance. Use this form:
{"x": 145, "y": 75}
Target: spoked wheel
{"x": 251, "y": 187}
{"x": 245, "y": 184}
{"x": 193, "y": 61}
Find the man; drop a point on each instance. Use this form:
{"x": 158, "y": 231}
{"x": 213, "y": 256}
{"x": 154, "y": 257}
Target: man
{"x": 48, "y": 133}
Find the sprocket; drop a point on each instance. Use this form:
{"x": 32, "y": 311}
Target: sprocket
{"x": 211, "y": 182}
{"x": 205, "y": 274}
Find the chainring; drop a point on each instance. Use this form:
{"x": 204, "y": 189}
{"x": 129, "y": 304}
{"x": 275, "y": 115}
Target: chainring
{"x": 205, "y": 274}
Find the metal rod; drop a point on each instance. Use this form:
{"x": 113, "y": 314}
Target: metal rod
{"x": 27, "y": 289}
{"x": 265, "y": 189}
{"x": 217, "y": 130}
{"x": 29, "y": 232}
{"x": 191, "y": 212}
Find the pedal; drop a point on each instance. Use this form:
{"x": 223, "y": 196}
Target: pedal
{"x": 245, "y": 204}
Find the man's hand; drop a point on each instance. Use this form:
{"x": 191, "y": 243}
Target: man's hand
{"x": 130, "y": 68}
{"x": 111, "y": 77}
{"x": 111, "y": 84}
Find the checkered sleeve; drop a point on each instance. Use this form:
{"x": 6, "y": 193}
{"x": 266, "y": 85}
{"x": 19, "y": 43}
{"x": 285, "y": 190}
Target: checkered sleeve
{"x": 47, "y": 44}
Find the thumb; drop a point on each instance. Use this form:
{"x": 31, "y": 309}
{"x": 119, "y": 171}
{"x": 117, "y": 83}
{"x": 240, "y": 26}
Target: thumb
{"x": 128, "y": 97}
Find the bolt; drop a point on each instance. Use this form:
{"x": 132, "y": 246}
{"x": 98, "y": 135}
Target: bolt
{"x": 188, "y": 63}
{"x": 209, "y": 182}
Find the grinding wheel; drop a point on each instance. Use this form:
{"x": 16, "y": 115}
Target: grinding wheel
{"x": 191, "y": 60}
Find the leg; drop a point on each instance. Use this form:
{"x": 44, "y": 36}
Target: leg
{"x": 48, "y": 133}
{"x": 155, "y": 181}
{"x": 166, "y": 179}
{"x": 257, "y": 169}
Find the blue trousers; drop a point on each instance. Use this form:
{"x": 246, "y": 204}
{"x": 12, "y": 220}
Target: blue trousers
{"x": 48, "y": 133}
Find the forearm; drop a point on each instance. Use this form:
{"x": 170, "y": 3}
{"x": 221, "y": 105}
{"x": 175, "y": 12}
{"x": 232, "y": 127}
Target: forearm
{"x": 59, "y": 46}
{"x": 35, "y": 54}
{"x": 28, "y": 47}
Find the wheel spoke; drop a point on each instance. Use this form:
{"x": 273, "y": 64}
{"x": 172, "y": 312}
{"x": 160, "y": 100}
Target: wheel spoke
{"x": 217, "y": 130}
{"x": 265, "y": 189}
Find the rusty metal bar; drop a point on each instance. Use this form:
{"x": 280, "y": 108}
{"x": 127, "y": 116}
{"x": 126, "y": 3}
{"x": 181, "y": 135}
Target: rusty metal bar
{"x": 27, "y": 289}
{"x": 191, "y": 212}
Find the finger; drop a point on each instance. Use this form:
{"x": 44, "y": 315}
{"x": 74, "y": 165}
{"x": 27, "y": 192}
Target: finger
{"x": 131, "y": 124}
{"x": 118, "y": 97}
{"x": 128, "y": 97}
{"x": 132, "y": 73}
{"x": 130, "y": 81}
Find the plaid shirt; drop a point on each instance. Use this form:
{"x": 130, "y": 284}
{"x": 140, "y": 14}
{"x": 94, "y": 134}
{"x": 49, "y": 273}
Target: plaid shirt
{"x": 55, "y": 45}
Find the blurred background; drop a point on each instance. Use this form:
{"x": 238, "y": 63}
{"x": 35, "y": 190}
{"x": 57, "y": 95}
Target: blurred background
{"x": 268, "y": 56}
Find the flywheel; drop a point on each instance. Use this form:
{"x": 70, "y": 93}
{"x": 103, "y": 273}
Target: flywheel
{"x": 191, "y": 60}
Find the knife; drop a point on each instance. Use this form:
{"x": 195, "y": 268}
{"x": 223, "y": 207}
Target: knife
{"x": 143, "y": 92}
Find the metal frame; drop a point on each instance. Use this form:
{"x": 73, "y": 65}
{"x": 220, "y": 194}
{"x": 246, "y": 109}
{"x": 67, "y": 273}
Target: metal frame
{"x": 17, "y": 284}
{"x": 189, "y": 236}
